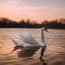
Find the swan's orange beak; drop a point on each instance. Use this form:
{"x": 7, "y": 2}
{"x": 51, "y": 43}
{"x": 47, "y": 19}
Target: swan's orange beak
{"x": 46, "y": 30}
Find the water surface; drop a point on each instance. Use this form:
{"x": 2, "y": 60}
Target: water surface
{"x": 54, "y": 55}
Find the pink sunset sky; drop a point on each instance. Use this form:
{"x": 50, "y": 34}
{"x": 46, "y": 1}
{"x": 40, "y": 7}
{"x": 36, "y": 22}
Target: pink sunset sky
{"x": 32, "y": 9}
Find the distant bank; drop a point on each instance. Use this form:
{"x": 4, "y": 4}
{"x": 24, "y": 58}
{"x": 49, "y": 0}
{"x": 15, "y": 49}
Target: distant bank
{"x": 54, "y": 24}
{"x": 48, "y": 25}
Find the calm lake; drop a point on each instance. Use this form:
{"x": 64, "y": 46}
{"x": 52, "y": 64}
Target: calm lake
{"x": 54, "y": 54}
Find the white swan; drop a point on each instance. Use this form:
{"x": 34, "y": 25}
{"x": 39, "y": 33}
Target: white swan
{"x": 30, "y": 44}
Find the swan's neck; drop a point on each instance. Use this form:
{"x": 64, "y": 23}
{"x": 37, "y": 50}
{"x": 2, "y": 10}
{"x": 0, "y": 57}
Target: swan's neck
{"x": 42, "y": 35}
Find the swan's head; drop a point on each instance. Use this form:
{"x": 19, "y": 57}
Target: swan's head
{"x": 44, "y": 29}
{"x": 26, "y": 36}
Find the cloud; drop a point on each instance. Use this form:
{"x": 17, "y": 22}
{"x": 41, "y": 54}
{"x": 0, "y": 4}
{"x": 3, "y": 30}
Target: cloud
{"x": 1, "y": 1}
{"x": 35, "y": 3}
{"x": 42, "y": 3}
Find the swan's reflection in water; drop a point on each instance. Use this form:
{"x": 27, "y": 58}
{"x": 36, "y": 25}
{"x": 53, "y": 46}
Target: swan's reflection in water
{"x": 40, "y": 63}
{"x": 44, "y": 63}
{"x": 31, "y": 60}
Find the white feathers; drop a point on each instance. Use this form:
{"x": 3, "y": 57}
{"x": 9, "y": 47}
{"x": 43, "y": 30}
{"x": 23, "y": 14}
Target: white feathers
{"x": 28, "y": 38}
{"x": 26, "y": 34}
{"x": 17, "y": 43}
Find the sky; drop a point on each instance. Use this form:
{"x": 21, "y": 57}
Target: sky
{"x": 38, "y": 10}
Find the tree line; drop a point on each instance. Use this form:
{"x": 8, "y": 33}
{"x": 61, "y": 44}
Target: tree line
{"x": 7, "y": 23}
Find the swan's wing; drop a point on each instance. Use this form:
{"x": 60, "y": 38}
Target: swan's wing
{"x": 32, "y": 41}
{"x": 17, "y": 43}
{"x": 28, "y": 38}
